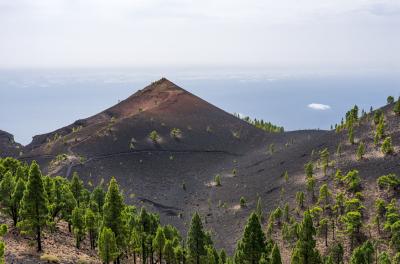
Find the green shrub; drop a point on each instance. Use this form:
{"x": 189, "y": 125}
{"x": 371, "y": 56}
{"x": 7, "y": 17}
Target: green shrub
{"x": 271, "y": 148}
{"x": 396, "y": 107}
{"x": 217, "y": 180}
{"x": 236, "y": 134}
{"x": 176, "y": 133}
{"x": 351, "y": 135}
{"x": 49, "y": 258}
{"x": 154, "y": 137}
{"x": 352, "y": 180}
{"x": 83, "y": 260}
{"x": 354, "y": 205}
{"x": 380, "y": 130}
{"x": 387, "y": 147}
{"x": 234, "y": 172}
{"x": 360, "y": 151}
{"x": 339, "y": 150}
{"x": 377, "y": 116}
{"x": 242, "y": 202}
{"x": 389, "y": 181}
{"x": 184, "y": 185}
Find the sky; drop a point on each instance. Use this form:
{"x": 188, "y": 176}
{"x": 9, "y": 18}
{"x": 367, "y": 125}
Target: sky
{"x": 333, "y": 35}
{"x": 298, "y": 63}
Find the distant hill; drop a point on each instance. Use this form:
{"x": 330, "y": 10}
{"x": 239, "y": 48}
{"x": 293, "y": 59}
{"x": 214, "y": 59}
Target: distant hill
{"x": 8, "y": 147}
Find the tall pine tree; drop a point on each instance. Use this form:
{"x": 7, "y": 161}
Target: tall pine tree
{"x": 276, "y": 255}
{"x": 196, "y": 239}
{"x": 34, "y": 211}
{"x": 253, "y": 243}
{"x": 78, "y": 223}
{"x": 76, "y": 187}
{"x": 112, "y": 213}
{"x": 159, "y": 242}
{"x": 108, "y": 250}
{"x": 305, "y": 251}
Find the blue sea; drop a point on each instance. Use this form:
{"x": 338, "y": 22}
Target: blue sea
{"x": 38, "y": 101}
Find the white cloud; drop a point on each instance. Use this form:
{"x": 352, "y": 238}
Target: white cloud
{"x": 321, "y": 107}
{"x": 185, "y": 33}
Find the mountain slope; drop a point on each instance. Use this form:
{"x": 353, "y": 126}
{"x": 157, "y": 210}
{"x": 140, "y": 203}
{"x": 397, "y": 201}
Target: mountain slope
{"x": 8, "y": 147}
{"x": 174, "y": 176}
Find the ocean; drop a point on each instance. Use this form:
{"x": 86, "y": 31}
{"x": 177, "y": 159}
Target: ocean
{"x": 38, "y": 101}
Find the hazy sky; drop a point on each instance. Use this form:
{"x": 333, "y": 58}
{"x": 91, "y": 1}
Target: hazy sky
{"x": 315, "y": 34}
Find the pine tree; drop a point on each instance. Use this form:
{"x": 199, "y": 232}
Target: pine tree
{"x": 34, "y": 211}
{"x": 242, "y": 202}
{"x": 217, "y": 180}
{"x": 360, "y": 151}
{"x": 395, "y": 239}
{"x": 253, "y": 243}
{"x": 76, "y": 187}
{"x": 78, "y": 223}
{"x": 351, "y": 135}
{"x": 3, "y": 231}
{"x": 337, "y": 253}
{"x": 384, "y": 258}
{"x": 22, "y": 173}
{"x": 311, "y": 187}
{"x": 352, "y": 180}
{"x": 324, "y": 195}
{"x": 300, "y": 199}
{"x": 324, "y": 156}
{"x": 323, "y": 229}
{"x": 149, "y": 224}
{"x": 390, "y": 99}
{"x": 309, "y": 169}
{"x": 380, "y": 130}
{"x": 135, "y": 243}
{"x": 56, "y": 204}
{"x": 271, "y": 148}
{"x": 276, "y": 255}
{"x": 368, "y": 249}
{"x": 305, "y": 251}
{"x": 396, "y": 258}
{"x": 339, "y": 150}
{"x": 68, "y": 203}
{"x": 222, "y": 256}
{"x": 17, "y": 197}
{"x": 212, "y": 255}
{"x": 11, "y": 193}
{"x": 286, "y": 176}
{"x": 112, "y": 213}
{"x": 358, "y": 256}
{"x": 154, "y": 137}
{"x": 387, "y": 147}
{"x": 259, "y": 210}
{"x": 196, "y": 239}
{"x": 396, "y": 107}
{"x": 286, "y": 212}
{"x": 98, "y": 196}
{"x": 169, "y": 252}
{"x": 159, "y": 242}
{"x": 328, "y": 260}
{"x": 353, "y": 223}
{"x": 264, "y": 259}
{"x": 92, "y": 226}
{"x": 108, "y": 250}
